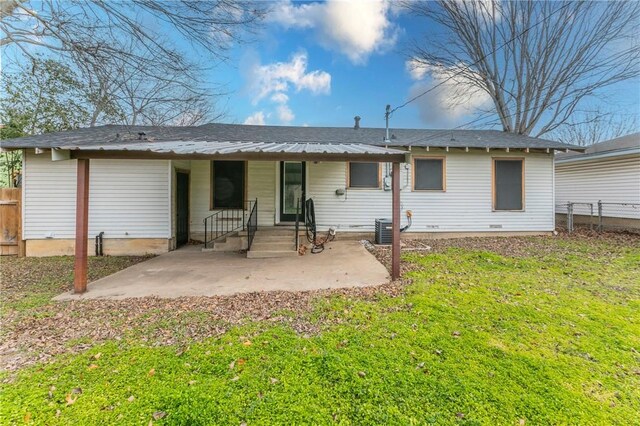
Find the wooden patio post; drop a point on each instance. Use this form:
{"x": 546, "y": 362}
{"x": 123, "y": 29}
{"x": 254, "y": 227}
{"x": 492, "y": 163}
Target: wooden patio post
{"x": 82, "y": 226}
{"x": 395, "y": 240}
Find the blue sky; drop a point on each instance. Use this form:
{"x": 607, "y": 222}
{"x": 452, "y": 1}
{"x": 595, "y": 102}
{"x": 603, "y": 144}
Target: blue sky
{"x": 345, "y": 75}
{"x": 320, "y": 64}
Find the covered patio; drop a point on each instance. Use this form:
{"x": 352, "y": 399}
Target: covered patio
{"x": 188, "y": 272}
{"x": 142, "y": 178}
{"x": 178, "y": 273}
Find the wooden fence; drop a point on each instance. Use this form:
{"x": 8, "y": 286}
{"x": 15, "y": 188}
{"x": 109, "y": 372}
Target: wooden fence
{"x": 11, "y": 243}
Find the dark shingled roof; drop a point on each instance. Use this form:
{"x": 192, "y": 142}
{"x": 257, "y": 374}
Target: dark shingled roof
{"x": 95, "y": 137}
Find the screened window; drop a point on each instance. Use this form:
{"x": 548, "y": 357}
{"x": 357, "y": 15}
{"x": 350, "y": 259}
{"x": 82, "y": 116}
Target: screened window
{"x": 508, "y": 181}
{"x": 428, "y": 174}
{"x": 364, "y": 175}
{"x": 228, "y": 180}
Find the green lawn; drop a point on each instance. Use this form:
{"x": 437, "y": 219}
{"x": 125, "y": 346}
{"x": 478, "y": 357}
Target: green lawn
{"x": 529, "y": 331}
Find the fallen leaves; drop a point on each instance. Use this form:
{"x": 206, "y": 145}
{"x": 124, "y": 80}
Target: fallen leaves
{"x": 41, "y": 335}
{"x": 511, "y": 246}
{"x": 151, "y": 372}
{"x": 44, "y": 334}
{"x": 70, "y": 399}
{"x": 159, "y": 415}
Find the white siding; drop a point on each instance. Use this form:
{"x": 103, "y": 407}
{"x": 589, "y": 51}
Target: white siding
{"x": 261, "y": 184}
{"x": 611, "y": 180}
{"x": 199, "y": 195}
{"x": 466, "y": 206}
{"x": 133, "y": 198}
{"x": 128, "y": 198}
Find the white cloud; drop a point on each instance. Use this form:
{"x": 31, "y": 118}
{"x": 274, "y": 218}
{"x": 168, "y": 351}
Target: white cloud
{"x": 277, "y": 78}
{"x": 354, "y": 28}
{"x": 416, "y": 69}
{"x": 285, "y": 115}
{"x": 455, "y": 97}
{"x": 280, "y": 98}
{"x": 256, "y": 119}
{"x": 274, "y": 82}
{"x": 304, "y": 15}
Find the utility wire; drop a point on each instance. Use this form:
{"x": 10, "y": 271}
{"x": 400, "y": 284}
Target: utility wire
{"x": 486, "y": 115}
{"x": 479, "y": 60}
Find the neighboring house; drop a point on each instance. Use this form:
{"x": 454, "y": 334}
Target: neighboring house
{"x": 151, "y": 188}
{"x": 606, "y": 172}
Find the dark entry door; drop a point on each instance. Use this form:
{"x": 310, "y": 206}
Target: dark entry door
{"x": 182, "y": 208}
{"x": 292, "y": 188}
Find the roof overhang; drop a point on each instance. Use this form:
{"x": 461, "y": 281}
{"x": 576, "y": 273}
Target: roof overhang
{"x": 239, "y": 151}
{"x": 598, "y": 155}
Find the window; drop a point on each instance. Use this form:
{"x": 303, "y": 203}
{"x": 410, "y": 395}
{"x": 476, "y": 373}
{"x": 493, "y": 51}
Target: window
{"x": 429, "y": 174}
{"x": 364, "y": 175}
{"x": 227, "y": 184}
{"x": 508, "y": 184}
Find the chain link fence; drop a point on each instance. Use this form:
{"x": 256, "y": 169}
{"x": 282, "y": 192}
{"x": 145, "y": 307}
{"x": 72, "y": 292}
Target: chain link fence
{"x": 600, "y": 216}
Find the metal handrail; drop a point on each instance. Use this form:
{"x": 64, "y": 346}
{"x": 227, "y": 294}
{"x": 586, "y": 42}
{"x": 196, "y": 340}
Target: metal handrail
{"x": 297, "y": 237}
{"x": 252, "y": 224}
{"x": 223, "y": 222}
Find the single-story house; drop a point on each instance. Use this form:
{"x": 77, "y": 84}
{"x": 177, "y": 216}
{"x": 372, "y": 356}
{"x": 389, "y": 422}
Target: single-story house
{"x": 152, "y": 189}
{"x": 605, "y": 177}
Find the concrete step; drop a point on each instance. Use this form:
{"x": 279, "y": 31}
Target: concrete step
{"x": 264, "y": 254}
{"x": 260, "y": 245}
{"x": 231, "y": 244}
{"x": 275, "y": 232}
{"x": 275, "y": 238}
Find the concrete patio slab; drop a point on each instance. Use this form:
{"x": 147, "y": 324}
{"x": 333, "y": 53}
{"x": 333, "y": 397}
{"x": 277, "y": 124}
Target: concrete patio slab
{"x": 191, "y": 272}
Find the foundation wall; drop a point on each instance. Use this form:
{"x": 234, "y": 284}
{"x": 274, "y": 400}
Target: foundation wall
{"x": 110, "y": 247}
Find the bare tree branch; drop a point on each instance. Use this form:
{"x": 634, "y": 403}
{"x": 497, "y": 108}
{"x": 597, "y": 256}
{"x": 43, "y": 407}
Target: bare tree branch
{"x": 101, "y": 29}
{"x": 597, "y": 125}
{"x": 537, "y": 60}
{"x": 124, "y": 92}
